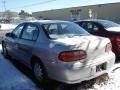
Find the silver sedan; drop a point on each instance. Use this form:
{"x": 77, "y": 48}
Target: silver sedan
{"x": 60, "y": 50}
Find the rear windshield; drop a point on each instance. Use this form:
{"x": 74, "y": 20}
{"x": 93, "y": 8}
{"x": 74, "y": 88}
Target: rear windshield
{"x": 61, "y": 30}
{"x": 108, "y": 24}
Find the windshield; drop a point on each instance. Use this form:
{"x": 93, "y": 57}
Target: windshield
{"x": 108, "y": 24}
{"x": 61, "y": 30}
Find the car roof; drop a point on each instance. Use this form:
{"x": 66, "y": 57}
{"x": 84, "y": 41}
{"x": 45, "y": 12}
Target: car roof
{"x": 93, "y": 20}
{"x": 47, "y": 21}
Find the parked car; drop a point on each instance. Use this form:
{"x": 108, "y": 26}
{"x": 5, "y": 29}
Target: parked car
{"x": 60, "y": 50}
{"x": 104, "y": 28}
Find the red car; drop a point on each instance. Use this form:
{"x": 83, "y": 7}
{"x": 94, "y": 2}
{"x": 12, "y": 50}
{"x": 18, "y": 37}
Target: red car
{"x": 104, "y": 28}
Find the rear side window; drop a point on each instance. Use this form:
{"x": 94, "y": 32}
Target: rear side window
{"x": 90, "y": 27}
{"x": 96, "y": 28}
{"x": 52, "y": 29}
{"x": 30, "y": 32}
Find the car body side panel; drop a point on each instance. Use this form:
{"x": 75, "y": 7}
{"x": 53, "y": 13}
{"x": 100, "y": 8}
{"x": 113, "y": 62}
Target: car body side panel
{"x": 11, "y": 46}
{"x": 24, "y": 50}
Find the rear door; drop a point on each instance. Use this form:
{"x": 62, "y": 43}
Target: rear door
{"x": 26, "y": 42}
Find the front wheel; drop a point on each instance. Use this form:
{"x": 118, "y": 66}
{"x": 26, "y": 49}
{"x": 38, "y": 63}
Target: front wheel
{"x": 4, "y": 50}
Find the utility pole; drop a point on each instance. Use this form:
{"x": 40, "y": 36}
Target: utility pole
{"x": 4, "y": 8}
{"x": 4, "y": 5}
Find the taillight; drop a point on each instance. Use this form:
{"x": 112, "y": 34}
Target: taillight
{"x": 69, "y": 56}
{"x": 117, "y": 39}
{"x": 108, "y": 47}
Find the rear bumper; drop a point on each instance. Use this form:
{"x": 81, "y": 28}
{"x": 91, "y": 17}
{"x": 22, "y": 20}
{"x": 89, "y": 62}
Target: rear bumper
{"x": 75, "y": 74}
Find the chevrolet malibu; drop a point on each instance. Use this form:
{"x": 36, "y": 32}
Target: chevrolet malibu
{"x": 60, "y": 50}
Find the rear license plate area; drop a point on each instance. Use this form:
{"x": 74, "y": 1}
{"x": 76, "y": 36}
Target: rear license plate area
{"x": 101, "y": 67}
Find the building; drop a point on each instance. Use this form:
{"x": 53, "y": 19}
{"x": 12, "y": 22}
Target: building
{"x": 108, "y": 11}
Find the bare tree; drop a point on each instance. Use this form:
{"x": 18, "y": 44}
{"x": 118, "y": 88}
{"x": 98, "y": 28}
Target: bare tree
{"x": 9, "y": 14}
{"x": 24, "y": 14}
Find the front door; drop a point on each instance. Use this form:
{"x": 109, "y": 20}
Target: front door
{"x": 11, "y": 41}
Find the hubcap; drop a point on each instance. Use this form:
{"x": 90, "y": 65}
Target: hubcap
{"x": 38, "y": 71}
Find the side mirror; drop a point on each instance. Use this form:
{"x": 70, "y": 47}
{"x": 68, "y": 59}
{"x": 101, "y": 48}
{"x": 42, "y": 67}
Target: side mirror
{"x": 8, "y": 34}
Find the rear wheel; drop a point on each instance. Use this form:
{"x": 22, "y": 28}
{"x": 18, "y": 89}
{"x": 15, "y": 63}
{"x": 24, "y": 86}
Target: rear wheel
{"x": 39, "y": 72}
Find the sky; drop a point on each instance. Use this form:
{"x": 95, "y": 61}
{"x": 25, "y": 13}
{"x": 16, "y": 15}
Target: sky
{"x": 42, "y": 5}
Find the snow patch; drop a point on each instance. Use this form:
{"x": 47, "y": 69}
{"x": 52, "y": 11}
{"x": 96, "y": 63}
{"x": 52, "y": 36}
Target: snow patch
{"x": 114, "y": 80}
{"x": 7, "y": 26}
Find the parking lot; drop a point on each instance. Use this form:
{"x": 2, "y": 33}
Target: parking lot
{"x": 16, "y": 76}
{"x": 60, "y": 45}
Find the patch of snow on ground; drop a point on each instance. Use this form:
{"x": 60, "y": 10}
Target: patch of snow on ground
{"x": 114, "y": 80}
{"x": 7, "y": 26}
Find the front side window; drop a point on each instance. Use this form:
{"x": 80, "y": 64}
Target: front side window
{"x": 61, "y": 30}
{"x": 17, "y": 31}
{"x": 30, "y": 32}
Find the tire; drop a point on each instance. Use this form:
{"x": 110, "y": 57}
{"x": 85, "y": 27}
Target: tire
{"x": 62, "y": 87}
{"x": 4, "y": 51}
{"x": 39, "y": 72}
